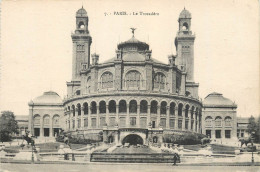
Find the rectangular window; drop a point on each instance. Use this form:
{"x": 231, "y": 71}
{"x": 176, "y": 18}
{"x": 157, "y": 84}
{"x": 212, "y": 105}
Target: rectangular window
{"x": 228, "y": 134}
{"x": 218, "y": 134}
{"x": 102, "y": 121}
{"x": 179, "y": 124}
{"x": 112, "y": 121}
{"x": 208, "y": 133}
{"x": 85, "y": 122}
{"x": 132, "y": 121}
{"x": 242, "y": 134}
{"x": 163, "y": 122}
{"x": 186, "y": 125}
{"x": 93, "y": 122}
{"x": 172, "y": 123}
{"x": 192, "y": 123}
{"x": 143, "y": 122}
{"x": 122, "y": 121}
{"x": 153, "y": 124}
{"x": 238, "y": 135}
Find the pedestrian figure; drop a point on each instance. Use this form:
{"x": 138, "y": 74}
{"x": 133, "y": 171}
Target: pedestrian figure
{"x": 175, "y": 158}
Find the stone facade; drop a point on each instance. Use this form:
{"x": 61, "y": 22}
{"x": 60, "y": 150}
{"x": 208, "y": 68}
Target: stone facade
{"x": 132, "y": 92}
{"x": 131, "y": 96}
{"x": 219, "y": 117}
{"x": 45, "y": 115}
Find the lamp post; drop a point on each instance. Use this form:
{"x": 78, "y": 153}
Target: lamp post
{"x": 32, "y": 155}
{"x": 252, "y": 144}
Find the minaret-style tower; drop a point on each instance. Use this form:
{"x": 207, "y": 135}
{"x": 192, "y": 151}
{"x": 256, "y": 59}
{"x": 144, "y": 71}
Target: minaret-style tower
{"x": 184, "y": 43}
{"x": 81, "y": 44}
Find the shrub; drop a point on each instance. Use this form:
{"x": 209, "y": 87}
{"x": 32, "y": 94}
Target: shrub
{"x": 183, "y": 139}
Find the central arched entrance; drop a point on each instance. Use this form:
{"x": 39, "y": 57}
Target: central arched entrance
{"x": 133, "y": 139}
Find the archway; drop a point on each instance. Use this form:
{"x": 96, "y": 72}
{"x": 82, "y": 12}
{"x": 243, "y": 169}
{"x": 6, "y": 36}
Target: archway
{"x": 133, "y": 139}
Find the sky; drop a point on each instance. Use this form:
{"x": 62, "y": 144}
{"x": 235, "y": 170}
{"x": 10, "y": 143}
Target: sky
{"x": 36, "y": 46}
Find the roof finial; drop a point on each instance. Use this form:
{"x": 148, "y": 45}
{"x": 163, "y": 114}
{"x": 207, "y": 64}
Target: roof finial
{"x": 82, "y": 5}
{"x": 184, "y": 7}
{"x": 133, "y": 31}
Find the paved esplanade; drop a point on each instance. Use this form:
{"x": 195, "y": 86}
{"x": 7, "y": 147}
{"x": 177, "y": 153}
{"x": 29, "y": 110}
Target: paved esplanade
{"x": 120, "y": 167}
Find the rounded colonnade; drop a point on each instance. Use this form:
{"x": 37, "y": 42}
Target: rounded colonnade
{"x": 130, "y": 112}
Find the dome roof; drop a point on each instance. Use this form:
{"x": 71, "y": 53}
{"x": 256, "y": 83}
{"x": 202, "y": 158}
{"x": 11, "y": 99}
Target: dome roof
{"x": 81, "y": 12}
{"x": 217, "y": 100}
{"x": 134, "y": 44}
{"x": 48, "y": 97}
{"x": 185, "y": 14}
{"x": 133, "y": 51}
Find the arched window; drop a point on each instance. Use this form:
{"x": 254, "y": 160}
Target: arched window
{"x": 208, "y": 121}
{"x": 107, "y": 80}
{"x": 228, "y": 121}
{"x": 133, "y": 106}
{"x": 163, "y": 107}
{"x": 102, "y": 107}
{"x": 218, "y": 121}
{"x": 180, "y": 106}
{"x": 154, "y": 105}
{"x": 192, "y": 112}
{"x": 185, "y": 26}
{"x": 81, "y": 25}
{"x": 85, "y": 108}
{"x": 112, "y": 106}
{"x": 159, "y": 81}
{"x": 122, "y": 106}
{"x": 56, "y": 121}
{"x": 172, "y": 108}
{"x": 133, "y": 79}
{"x": 79, "y": 109}
{"x": 73, "y": 110}
{"x": 46, "y": 120}
{"x": 187, "y": 111}
{"x": 93, "y": 108}
{"x": 36, "y": 119}
{"x": 143, "y": 106}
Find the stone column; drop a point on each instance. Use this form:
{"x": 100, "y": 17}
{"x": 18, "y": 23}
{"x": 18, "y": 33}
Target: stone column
{"x": 176, "y": 118}
{"x": 189, "y": 115}
{"x": 107, "y": 115}
{"x": 138, "y": 116}
{"x": 117, "y": 114}
{"x": 89, "y": 116}
{"x": 148, "y": 114}
{"x": 127, "y": 116}
{"x": 167, "y": 117}
{"x": 158, "y": 118}
{"x": 51, "y": 127}
{"x": 82, "y": 117}
{"x": 183, "y": 119}
{"x": 41, "y": 127}
{"x": 98, "y": 118}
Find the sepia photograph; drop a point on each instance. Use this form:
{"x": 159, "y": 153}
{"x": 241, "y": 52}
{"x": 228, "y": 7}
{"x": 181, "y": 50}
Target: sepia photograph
{"x": 140, "y": 85}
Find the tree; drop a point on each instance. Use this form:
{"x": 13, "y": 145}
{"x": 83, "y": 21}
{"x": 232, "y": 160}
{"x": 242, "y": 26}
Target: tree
{"x": 254, "y": 127}
{"x": 258, "y": 130}
{"x": 8, "y": 125}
